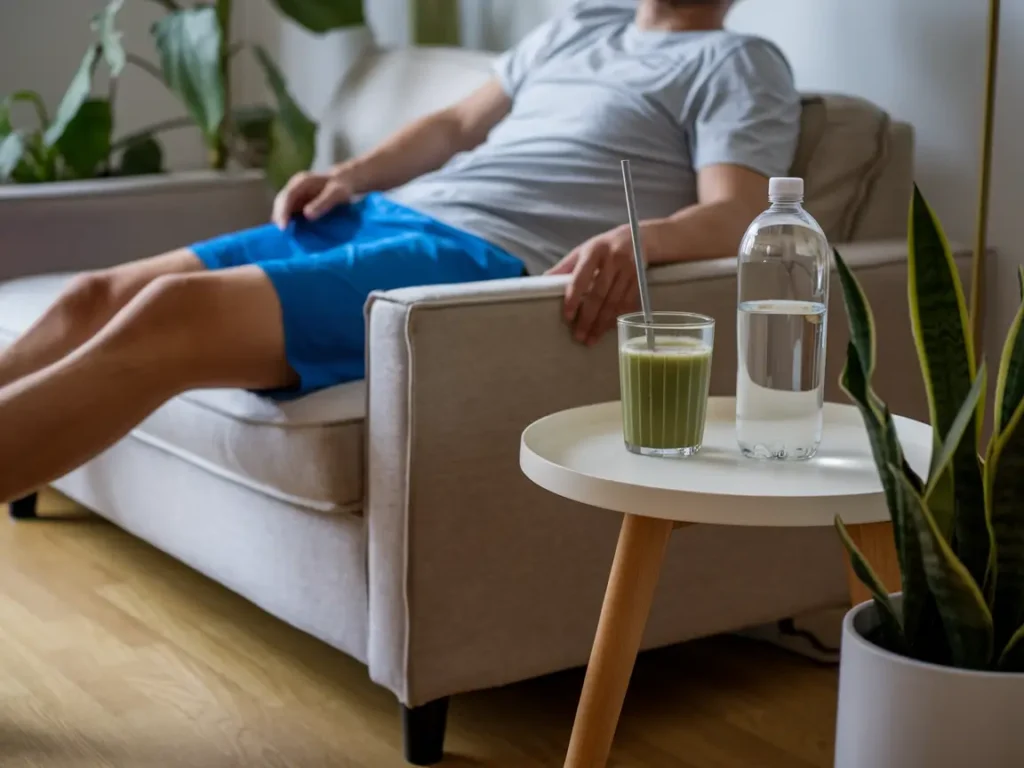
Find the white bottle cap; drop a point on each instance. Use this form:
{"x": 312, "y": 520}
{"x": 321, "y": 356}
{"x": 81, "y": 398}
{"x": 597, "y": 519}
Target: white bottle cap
{"x": 786, "y": 190}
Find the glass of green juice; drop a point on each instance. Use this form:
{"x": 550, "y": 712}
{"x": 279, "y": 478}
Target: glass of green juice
{"x": 664, "y": 374}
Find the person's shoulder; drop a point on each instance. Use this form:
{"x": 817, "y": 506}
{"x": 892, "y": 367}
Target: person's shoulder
{"x": 595, "y": 13}
{"x": 584, "y": 21}
{"x": 738, "y": 50}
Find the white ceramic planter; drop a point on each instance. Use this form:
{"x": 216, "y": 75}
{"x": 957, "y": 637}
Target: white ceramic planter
{"x": 69, "y": 226}
{"x": 899, "y": 713}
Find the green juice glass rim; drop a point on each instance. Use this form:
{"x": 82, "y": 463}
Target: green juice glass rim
{"x": 668, "y": 321}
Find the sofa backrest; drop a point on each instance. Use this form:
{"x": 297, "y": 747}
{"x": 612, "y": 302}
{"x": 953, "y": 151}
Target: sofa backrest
{"x": 857, "y": 162}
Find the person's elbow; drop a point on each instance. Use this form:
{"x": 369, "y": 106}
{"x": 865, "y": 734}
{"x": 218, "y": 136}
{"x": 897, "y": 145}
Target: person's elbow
{"x": 471, "y": 120}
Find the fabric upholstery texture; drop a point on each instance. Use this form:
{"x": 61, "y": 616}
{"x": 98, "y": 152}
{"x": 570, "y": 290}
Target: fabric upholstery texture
{"x": 845, "y": 145}
{"x": 318, "y": 465}
{"x": 459, "y": 574}
{"x": 307, "y": 568}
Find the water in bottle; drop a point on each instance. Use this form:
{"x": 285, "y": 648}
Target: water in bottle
{"x": 784, "y": 265}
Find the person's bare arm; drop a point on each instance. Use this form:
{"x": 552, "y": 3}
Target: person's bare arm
{"x": 604, "y": 283}
{"x": 419, "y": 148}
{"x": 730, "y": 197}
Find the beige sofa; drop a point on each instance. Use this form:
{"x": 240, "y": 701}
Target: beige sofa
{"x": 389, "y": 518}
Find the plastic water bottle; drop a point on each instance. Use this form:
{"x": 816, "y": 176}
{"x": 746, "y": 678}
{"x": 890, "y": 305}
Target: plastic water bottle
{"x": 784, "y": 269}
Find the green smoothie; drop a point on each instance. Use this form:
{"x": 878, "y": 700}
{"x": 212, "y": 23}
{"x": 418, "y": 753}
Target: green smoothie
{"x": 664, "y": 392}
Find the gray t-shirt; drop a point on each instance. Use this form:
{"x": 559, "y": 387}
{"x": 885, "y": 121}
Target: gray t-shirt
{"x": 589, "y": 89}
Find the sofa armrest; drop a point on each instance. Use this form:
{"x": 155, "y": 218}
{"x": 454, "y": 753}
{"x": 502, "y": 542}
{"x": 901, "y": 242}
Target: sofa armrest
{"x": 455, "y": 373}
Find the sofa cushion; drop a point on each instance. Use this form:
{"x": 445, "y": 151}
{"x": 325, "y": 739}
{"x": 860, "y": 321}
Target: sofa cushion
{"x": 844, "y": 147}
{"x": 308, "y": 452}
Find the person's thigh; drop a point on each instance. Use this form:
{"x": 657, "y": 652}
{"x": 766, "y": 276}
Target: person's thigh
{"x": 126, "y": 280}
{"x": 322, "y": 296}
{"x": 218, "y": 328}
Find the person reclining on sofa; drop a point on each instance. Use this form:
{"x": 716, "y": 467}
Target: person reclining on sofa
{"x": 523, "y": 176}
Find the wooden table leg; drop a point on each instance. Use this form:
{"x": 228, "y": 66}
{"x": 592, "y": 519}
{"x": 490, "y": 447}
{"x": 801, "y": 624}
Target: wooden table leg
{"x": 627, "y": 602}
{"x": 876, "y": 544}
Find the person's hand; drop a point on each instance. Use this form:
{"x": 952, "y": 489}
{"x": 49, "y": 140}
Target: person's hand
{"x": 312, "y": 195}
{"x": 603, "y": 286}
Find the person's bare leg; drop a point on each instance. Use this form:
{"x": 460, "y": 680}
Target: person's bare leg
{"x": 205, "y": 329}
{"x": 86, "y": 305}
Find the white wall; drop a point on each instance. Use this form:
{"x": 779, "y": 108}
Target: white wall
{"x": 919, "y": 59}
{"x": 923, "y": 61}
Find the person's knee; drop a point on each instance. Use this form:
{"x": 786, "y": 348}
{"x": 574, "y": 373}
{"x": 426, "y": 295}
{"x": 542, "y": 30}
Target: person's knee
{"x": 88, "y": 298}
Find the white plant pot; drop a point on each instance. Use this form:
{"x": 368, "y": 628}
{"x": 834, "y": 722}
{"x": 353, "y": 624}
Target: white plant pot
{"x": 895, "y": 712}
{"x": 75, "y": 225}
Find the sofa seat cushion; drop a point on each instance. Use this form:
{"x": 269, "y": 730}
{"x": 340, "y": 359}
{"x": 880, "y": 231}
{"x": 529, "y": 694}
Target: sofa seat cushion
{"x": 308, "y": 452}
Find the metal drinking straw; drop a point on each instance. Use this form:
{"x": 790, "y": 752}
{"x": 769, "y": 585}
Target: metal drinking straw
{"x": 638, "y": 252}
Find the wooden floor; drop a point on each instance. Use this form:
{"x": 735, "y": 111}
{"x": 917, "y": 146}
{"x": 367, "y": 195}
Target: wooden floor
{"x": 112, "y": 654}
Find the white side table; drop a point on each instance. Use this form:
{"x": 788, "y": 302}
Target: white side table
{"x": 579, "y": 454}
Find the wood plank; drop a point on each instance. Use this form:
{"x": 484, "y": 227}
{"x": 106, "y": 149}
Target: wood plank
{"x": 113, "y": 654}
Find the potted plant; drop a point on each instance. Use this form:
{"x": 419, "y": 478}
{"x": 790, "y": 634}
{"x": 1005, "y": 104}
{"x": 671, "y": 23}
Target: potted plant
{"x": 116, "y": 202}
{"x": 932, "y": 677}
{"x": 195, "y": 60}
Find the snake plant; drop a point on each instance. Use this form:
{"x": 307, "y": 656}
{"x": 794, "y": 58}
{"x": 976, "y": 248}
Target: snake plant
{"x": 959, "y": 532}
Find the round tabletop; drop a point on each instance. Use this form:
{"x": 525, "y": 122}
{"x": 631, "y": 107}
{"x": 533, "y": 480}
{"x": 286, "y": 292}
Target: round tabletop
{"x": 579, "y": 454}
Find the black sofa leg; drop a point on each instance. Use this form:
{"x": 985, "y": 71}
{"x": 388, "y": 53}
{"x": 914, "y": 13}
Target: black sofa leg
{"x": 423, "y": 732}
{"x": 25, "y": 509}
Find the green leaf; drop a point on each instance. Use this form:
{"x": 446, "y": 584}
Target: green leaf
{"x": 965, "y": 616}
{"x": 1020, "y": 280}
{"x": 1004, "y": 475}
{"x": 858, "y": 312}
{"x": 189, "y": 45}
{"x": 938, "y": 314}
{"x": 75, "y": 96}
{"x": 892, "y": 628}
{"x": 885, "y": 448}
{"x": 142, "y": 156}
{"x": 253, "y": 122}
{"x": 920, "y": 614}
{"x": 1012, "y": 658}
{"x": 323, "y": 15}
{"x": 968, "y": 409}
{"x": 252, "y": 134}
{"x": 38, "y": 163}
{"x": 435, "y": 22}
{"x": 29, "y": 97}
{"x": 855, "y": 384}
{"x": 85, "y": 142}
{"x": 292, "y": 134}
{"x": 1010, "y": 384}
{"x": 110, "y": 38}
{"x": 12, "y": 150}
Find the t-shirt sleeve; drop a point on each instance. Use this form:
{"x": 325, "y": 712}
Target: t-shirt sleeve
{"x": 748, "y": 112}
{"x": 515, "y": 64}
